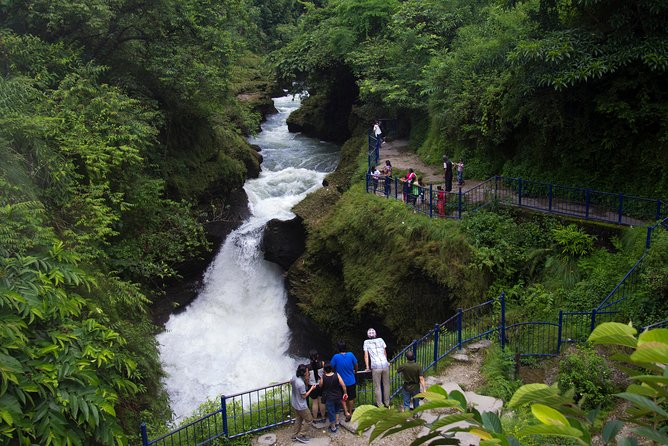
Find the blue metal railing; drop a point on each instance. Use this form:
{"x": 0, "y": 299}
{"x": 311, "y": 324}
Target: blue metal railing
{"x": 269, "y": 406}
{"x": 260, "y": 409}
{"x": 557, "y": 199}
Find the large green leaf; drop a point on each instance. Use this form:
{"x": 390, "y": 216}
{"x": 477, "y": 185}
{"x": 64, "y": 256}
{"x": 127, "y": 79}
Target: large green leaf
{"x": 450, "y": 419}
{"x": 614, "y": 333}
{"x": 548, "y": 415}
{"x": 610, "y": 430}
{"x": 552, "y": 429}
{"x": 652, "y": 434}
{"x": 530, "y": 393}
{"x": 643, "y": 403}
{"x": 459, "y": 397}
{"x": 655, "y": 335}
{"x": 491, "y": 422}
{"x": 651, "y": 351}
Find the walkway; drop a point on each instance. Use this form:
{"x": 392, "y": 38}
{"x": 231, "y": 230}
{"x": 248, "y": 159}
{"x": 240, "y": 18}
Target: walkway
{"x": 462, "y": 374}
{"x": 578, "y": 202}
{"x": 402, "y": 157}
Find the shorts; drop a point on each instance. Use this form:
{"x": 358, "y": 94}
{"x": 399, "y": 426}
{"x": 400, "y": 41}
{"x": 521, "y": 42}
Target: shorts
{"x": 315, "y": 394}
{"x": 352, "y": 391}
{"x": 333, "y": 406}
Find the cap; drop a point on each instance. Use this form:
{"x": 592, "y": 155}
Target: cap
{"x": 371, "y": 333}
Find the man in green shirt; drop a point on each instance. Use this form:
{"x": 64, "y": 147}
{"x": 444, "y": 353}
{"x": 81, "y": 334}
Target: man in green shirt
{"x": 413, "y": 380}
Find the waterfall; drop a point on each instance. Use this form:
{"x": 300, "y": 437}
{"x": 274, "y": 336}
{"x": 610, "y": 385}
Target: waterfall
{"x": 234, "y": 336}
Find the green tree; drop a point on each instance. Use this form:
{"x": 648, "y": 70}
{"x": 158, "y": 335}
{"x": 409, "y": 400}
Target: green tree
{"x": 63, "y": 372}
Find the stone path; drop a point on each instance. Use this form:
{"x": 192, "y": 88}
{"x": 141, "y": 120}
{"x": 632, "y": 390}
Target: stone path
{"x": 402, "y": 157}
{"x": 462, "y": 374}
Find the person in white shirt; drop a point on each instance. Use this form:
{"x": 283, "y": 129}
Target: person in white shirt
{"x": 377, "y": 132}
{"x": 375, "y": 356}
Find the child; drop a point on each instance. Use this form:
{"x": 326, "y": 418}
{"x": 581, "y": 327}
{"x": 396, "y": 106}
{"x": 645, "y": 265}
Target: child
{"x": 440, "y": 201}
{"x": 460, "y": 172}
{"x": 375, "y": 173}
{"x": 334, "y": 393}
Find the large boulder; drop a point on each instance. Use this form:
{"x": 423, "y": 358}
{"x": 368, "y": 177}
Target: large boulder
{"x": 284, "y": 241}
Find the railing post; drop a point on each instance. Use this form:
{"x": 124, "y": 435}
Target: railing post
{"x": 658, "y": 209}
{"x": 593, "y": 320}
{"x": 431, "y": 200}
{"x": 436, "y": 331}
{"x": 414, "y": 345}
{"x": 503, "y": 320}
{"x": 496, "y": 188}
{"x": 519, "y": 192}
{"x": 648, "y": 241}
{"x": 561, "y": 321}
{"x": 223, "y": 412}
{"x": 586, "y": 204}
{"x": 619, "y": 211}
{"x": 459, "y": 205}
{"x": 549, "y": 194}
{"x": 396, "y": 187}
{"x": 144, "y": 434}
{"x": 460, "y": 313}
{"x": 369, "y": 148}
{"x": 366, "y": 186}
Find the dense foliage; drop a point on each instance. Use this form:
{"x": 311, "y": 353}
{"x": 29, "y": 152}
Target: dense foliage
{"x": 573, "y": 91}
{"x": 369, "y": 259}
{"x": 555, "y": 417}
{"x": 121, "y": 129}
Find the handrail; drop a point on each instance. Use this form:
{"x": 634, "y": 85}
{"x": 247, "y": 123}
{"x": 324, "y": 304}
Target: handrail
{"x": 588, "y": 204}
{"x": 443, "y": 343}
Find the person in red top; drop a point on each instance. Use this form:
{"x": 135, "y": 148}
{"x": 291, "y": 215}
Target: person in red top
{"x": 440, "y": 201}
{"x": 408, "y": 182}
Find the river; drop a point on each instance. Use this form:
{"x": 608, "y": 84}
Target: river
{"x": 234, "y": 336}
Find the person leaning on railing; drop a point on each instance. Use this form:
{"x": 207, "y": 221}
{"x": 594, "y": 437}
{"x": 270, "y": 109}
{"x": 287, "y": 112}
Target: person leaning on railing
{"x": 375, "y": 354}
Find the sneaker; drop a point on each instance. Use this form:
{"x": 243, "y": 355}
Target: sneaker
{"x": 299, "y": 439}
{"x": 332, "y": 429}
{"x": 305, "y": 437}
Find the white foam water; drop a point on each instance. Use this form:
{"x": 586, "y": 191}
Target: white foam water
{"x": 234, "y": 336}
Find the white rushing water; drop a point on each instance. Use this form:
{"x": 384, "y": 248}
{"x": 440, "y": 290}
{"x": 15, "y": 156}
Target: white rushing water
{"x": 234, "y": 336}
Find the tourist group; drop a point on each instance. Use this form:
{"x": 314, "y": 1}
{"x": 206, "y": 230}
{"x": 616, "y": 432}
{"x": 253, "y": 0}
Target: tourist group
{"x": 332, "y": 385}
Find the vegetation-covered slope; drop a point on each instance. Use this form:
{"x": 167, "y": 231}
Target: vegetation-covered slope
{"x": 121, "y": 132}
{"x": 572, "y": 91}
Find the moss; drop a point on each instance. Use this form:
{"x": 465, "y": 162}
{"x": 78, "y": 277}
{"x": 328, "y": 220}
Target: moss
{"x": 369, "y": 259}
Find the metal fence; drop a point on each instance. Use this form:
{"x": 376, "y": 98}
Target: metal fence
{"x": 587, "y": 204}
{"x": 259, "y": 409}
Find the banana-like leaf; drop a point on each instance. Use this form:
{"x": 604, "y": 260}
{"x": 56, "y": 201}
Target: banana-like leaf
{"x": 548, "y": 415}
{"x": 614, "y": 333}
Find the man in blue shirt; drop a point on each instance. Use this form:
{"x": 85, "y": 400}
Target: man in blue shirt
{"x": 345, "y": 364}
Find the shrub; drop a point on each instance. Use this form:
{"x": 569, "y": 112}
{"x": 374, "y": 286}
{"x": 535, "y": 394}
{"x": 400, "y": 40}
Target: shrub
{"x": 576, "y": 371}
{"x": 498, "y": 370}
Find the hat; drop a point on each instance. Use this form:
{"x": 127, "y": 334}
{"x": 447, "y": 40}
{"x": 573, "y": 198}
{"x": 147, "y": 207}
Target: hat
{"x": 371, "y": 333}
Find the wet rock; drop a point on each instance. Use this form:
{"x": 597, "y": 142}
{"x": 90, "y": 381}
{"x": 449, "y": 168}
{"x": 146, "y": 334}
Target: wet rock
{"x": 284, "y": 241}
